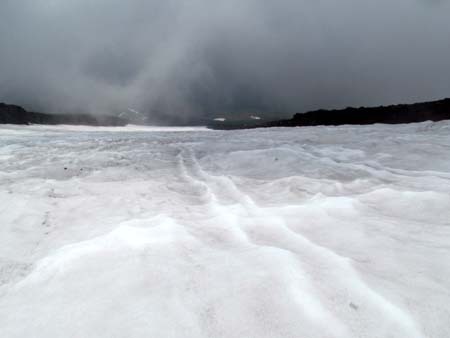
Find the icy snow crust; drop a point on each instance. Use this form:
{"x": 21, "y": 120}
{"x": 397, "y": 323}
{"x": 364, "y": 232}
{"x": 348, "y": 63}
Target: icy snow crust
{"x": 140, "y": 232}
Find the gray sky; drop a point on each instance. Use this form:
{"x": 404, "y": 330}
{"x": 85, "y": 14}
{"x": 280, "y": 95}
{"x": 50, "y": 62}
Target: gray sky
{"x": 185, "y": 59}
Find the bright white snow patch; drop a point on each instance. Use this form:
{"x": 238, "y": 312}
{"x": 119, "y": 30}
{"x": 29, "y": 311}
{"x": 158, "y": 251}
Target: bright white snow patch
{"x": 134, "y": 111}
{"x": 220, "y": 119}
{"x": 302, "y": 232}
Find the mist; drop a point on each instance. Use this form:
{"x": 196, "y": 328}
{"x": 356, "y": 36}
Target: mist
{"x": 185, "y": 61}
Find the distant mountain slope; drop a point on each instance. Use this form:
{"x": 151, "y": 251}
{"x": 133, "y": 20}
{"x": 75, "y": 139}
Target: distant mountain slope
{"x": 11, "y": 114}
{"x": 395, "y": 114}
{"x": 402, "y": 113}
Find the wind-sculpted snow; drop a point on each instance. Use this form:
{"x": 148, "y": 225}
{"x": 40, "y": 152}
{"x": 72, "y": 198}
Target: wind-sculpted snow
{"x": 143, "y": 232}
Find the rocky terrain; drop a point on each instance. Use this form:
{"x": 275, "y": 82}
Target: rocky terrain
{"x": 12, "y": 114}
{"x": 395, "y": 114}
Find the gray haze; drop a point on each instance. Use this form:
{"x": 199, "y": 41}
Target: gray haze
{"x": 181, "y": 60}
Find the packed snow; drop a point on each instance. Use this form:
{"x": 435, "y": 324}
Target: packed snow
{"x": 297, "y": 232}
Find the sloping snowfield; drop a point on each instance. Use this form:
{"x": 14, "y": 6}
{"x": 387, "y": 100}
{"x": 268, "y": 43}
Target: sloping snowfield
{"x": 148, "y": 232}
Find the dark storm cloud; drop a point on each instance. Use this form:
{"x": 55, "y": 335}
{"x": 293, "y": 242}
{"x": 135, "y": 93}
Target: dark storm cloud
{"x": 188, "y": 59}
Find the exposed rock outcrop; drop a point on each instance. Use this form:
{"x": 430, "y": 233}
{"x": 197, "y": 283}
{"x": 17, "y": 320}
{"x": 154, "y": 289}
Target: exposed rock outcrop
{"x": 395, "y": 114}
{"x": 11, "y": 114}
{"x": 403, "y": 113}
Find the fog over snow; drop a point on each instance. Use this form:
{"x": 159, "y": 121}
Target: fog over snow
{"x": 141, "y": 232}
{"x": 183, "y": 61}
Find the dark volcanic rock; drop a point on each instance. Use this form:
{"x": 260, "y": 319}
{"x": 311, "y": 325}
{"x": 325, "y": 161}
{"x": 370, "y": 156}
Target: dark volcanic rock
{"x": 11, "y": 114}
{"x": 403, "y": 113}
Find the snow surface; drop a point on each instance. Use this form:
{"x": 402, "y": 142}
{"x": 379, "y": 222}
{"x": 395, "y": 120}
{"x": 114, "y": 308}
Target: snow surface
{"x": 302, "y": 232}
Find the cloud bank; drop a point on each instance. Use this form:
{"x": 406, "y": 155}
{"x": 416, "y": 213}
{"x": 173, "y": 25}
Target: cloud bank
{"x": 182, "y": 61}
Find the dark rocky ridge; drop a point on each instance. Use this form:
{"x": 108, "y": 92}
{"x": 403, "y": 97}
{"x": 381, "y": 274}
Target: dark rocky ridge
{"x": 11, "y": 114}
{"x": 395, "y": 114}
{"x": 402, "y": 113}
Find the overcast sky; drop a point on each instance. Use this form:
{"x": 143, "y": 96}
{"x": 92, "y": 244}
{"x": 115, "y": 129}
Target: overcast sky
{"x": 185, "y": 59}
